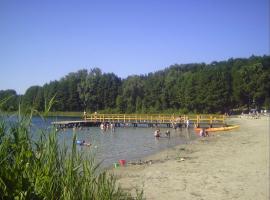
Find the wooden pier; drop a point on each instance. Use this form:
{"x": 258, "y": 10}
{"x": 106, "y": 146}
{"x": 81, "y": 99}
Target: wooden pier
{"x": 147, "y": 119}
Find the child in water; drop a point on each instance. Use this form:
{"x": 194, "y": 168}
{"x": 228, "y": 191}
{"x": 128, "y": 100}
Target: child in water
{"x": 157, "y": 133}
{"x": 168, "y": 134}
{"x": 83, "y": 143}
{"x": 203, "y": 133}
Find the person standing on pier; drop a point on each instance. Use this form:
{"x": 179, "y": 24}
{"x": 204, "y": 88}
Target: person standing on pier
{"x": 84, "y": 115}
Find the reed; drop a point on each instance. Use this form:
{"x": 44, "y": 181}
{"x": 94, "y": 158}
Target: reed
{"x": 42, "y": 169}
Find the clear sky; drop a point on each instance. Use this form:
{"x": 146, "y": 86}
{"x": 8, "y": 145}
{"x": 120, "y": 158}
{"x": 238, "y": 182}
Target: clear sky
{"x": 42, "y": 41}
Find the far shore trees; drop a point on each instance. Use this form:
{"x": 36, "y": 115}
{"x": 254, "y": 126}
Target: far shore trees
{"x": 203, "y": 88}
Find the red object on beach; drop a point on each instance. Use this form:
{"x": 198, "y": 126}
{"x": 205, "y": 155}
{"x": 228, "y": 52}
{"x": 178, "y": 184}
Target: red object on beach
{"x": 122, "y": 162}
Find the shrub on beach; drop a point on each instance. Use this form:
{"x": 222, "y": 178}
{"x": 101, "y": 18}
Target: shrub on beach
{"x": 42, "y": 169}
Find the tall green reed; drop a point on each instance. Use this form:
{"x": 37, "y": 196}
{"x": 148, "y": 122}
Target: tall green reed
{"x": 43, "y": 169}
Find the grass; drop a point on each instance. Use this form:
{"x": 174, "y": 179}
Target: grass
{"x": 42, "y": 169}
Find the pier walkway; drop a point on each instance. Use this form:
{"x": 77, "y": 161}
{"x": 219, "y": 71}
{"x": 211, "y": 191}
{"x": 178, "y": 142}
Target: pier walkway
{"x": 148, "y": 119}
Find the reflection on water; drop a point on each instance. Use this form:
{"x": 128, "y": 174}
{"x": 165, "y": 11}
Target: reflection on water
{"x": 123, "y": 143}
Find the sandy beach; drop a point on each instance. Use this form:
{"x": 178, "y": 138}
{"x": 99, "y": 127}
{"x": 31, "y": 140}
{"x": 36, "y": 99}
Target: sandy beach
{"x": 226, "y": 165}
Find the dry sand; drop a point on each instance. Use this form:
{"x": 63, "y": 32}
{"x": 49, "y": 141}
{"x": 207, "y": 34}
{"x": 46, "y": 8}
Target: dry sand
{"x": 226, "y": 165}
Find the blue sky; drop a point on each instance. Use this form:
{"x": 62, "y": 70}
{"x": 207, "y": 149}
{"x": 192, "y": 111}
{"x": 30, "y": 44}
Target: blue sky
{"x": 41, "y": 41}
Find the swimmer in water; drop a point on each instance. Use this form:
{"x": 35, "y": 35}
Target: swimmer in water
{"x": 157, "y": 133}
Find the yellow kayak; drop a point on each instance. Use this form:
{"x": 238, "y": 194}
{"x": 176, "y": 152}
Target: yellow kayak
{"x": 226, "y": 128}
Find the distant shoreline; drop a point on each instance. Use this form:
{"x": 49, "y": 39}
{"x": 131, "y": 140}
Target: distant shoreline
{"x": 80, "y": 114}
{"x": 53, "y": 114}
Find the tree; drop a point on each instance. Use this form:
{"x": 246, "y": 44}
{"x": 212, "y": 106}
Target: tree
{"x": 11, "y": 100}
{"x": 196, "y": 87}
{"x": 33, "y": 98}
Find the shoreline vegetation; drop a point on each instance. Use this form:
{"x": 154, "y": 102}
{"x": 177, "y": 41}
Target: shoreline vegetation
{"x": 51, "y": 114}
{"x": 81, "y": 116}
{"x": 227, "y": 165}
{"x": 41, "y": 169}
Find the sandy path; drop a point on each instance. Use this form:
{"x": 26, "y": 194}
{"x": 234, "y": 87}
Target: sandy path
{"x": 228, "y": 165}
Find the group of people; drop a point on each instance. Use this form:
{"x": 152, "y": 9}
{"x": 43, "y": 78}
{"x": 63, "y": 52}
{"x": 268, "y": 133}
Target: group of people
{"x": 254, "y": 114}
{"x": 179, "y": 124}
{"x": 203, "y": 133}
{"x": 157, "y": 133}
{"x": 107, "y": 126}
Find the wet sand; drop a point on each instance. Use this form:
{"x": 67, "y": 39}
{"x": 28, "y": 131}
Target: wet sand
{"x": 226, "y": 165}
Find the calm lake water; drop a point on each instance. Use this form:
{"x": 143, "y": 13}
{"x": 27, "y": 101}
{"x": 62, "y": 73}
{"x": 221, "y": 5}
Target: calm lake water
{"x": 123, "y": 143}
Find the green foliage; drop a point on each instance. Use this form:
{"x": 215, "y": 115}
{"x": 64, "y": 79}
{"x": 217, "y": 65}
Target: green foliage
{"x": 43, "y": 169}
{"x": 33, "y": 98}
{"x": 9, "y": 100}
{"x": 217, "y": 87}
{"x": 98, "y": 91}
{"x": 49, "y": 105}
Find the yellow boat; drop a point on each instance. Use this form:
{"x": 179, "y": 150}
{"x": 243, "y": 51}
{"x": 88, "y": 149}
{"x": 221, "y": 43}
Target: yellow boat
{"x": 226, "y": 128}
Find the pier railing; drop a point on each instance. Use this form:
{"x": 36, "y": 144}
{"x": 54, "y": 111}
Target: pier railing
{"x": 155, "y": 118}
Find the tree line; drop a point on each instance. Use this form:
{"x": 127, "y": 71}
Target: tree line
{"x": 218, "y": 87}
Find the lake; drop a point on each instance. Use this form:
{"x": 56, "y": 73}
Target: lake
{"x": 127, "y": 143}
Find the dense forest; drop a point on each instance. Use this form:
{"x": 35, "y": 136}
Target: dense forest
{"x": 186, "y": 88}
